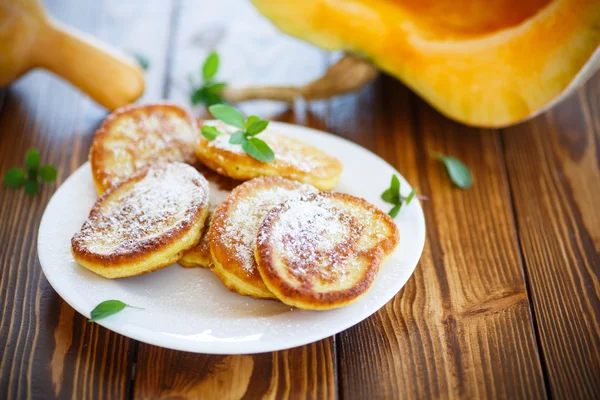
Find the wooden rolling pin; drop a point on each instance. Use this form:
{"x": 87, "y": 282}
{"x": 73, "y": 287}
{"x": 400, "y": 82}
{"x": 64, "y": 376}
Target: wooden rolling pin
{"x": 29, "y": 39}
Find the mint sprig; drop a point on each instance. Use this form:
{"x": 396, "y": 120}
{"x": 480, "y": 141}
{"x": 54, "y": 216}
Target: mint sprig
{"x": 31, "y": 177}
{"x": 392, "y": 195}
{"x": 108, "y": 308}
{"x": 249, "y": 128}
{"x": 208, "y": 92}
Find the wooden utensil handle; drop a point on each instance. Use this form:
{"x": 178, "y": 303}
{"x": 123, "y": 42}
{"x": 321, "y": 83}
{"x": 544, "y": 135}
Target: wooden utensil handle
{"x": 100, "y": 71}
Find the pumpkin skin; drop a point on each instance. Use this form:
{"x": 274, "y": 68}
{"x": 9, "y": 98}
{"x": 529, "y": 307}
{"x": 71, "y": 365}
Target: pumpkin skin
{"x": 484, "y": 63}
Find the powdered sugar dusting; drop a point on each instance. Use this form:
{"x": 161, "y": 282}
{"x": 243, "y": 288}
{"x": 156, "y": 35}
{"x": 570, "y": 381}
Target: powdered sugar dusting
{"x": 166, "y": 198}
{"x": 313, "y": 238}
{"x": 143, "y": 137}
{"x": 240, "y": 228}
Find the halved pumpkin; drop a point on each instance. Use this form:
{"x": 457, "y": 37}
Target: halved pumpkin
{"x": 485, "y": 63}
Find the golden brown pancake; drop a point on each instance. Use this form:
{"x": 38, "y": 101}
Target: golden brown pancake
{"x": 199, "y": 255}
{"x": 143, "y": 223}
{"x": 234, "y": 226}
{"x": 323, "y": 251}
{"x": 293, "y": 159}
{"x": 133, "y": 137}
{"x": 219, "y": 188}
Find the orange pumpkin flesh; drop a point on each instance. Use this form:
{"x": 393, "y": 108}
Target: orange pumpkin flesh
{"x": 484, "y": 63}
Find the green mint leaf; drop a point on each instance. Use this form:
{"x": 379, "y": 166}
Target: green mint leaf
{"x": 251, "y": 119}
{"x": 394, "y": 211}
{"x": 32, "y": 174}
{"x": 410, "y": 196}
{"x": 257, "y": 127}
{"x": 229, "y": 115}
{"x": 216, "y": 88}
{"x": 205, "y": 96}
{"x": 210, "y": 132}
{"x": 395, "y": 184}
{"x": 258, "y": 150}
{"x": 142, "y": 61}
{"x": 238, "y": 137}
{"x": 390, "y": 197}
{"x": 48, "y": 173}
{"x": 392, "y": 194}
{"x": 459, "y": 173}
{"x": 197, "y": 96}
{"x": 211, "y": 98}
{"x": 32, "y": 187}
{"x": 14, "y": 178}
{"x": 32, "y": 159}
{"x": 108, "y": 308}
{"x": 211, "y": 66}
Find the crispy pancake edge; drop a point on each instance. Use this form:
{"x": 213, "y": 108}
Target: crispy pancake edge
{"x": 243, "y": 167}
{"x": 237, "y": 285}
{"x": 221, "y": 251}
{"x": 308, "y": 299}
{"x": 199, "y": 256}
{"x": 98, "y": 150}
{"x": 170, "y": 244}
{"x": 143, "y": 265}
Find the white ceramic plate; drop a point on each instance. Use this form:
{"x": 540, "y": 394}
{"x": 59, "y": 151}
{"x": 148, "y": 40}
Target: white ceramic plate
{"x": 189, "y": 309}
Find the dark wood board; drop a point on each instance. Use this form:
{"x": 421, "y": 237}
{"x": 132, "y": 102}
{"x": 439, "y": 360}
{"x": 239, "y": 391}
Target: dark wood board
{"x": 49, "y": 350}
{"x": 553, "y": 167}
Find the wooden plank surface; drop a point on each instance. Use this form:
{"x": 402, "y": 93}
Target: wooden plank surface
{"x": 303, "y": 372}
{"x": 461, "y": 326}
{"x": 49, "y": 350}
{"x": 554, "y": 169}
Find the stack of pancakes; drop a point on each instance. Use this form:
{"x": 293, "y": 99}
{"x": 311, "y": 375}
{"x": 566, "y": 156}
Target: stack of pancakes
{"x": 267, "y": 230}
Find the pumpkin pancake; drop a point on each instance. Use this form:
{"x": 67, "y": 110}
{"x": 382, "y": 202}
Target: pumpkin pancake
{"x": 323, "y": 251}
{"x": 143, "y": 223}
{"x": 133, "y": 137}
{"x": 233, "y": 229}
{"x": 219, "y": 188}
{"x": 293, "y": 159}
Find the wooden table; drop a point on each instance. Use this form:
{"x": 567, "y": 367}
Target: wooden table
{"x": 504, "y": 302}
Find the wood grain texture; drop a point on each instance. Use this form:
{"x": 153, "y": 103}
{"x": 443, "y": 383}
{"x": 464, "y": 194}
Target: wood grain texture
{"x": 553, "y": 166}
{"x": 2, "y": 98}
{"x": 461, "y": 326}
{"x": 304, "y": 372}
{"x": 48, "y": 350}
